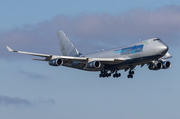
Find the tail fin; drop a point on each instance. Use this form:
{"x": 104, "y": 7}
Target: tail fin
{"x": 67, "y": 48}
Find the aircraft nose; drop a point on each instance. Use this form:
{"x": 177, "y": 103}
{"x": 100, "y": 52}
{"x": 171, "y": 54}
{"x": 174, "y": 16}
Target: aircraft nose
{"x": 162, "y": 49}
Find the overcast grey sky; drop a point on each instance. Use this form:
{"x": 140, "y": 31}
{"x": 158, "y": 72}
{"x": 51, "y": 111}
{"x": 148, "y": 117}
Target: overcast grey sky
{"x": 32, "y": 89}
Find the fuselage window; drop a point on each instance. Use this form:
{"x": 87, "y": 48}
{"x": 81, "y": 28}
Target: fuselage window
{"x": 157, "y": 39}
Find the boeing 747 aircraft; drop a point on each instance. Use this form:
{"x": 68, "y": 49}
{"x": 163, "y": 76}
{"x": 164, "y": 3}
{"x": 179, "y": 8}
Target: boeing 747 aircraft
{"x": 152, "y": 52}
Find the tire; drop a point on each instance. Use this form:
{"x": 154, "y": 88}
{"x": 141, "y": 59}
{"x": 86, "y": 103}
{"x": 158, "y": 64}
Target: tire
{"x": 132, "y": 72}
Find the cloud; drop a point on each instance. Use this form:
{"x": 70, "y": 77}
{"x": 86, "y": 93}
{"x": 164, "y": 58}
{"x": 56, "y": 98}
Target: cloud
{"x": 14, "y": 101}
{"x": 49, "y": 101}
{"x": 32, "y": 75}
{"x": 90, "y": 32}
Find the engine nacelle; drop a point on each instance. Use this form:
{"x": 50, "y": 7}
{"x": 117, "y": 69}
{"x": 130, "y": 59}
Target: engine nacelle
{"x": 166, "y": 64}
{"x": 155, "y": 66}
{"x": 56, "y": 62}
{"x": 94, "y": 64}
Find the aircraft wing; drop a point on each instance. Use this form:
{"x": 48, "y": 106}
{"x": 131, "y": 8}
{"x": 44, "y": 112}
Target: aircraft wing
{"x": 28, "y": 53}
{"x": 48, "y": 57}
{"x": 81, "y": 59}
{"x": 166, "y": 56}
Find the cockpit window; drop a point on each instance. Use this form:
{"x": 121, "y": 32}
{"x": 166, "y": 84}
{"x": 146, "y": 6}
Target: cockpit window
{"x": 157, "y": 39}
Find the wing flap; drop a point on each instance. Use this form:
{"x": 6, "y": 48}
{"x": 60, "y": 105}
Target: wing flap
{"x": 71, "y": 58}
{"x": 108, "y": 60}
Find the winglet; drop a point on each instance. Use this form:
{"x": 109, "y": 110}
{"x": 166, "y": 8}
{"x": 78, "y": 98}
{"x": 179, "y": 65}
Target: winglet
{"x": 9, "y": 49}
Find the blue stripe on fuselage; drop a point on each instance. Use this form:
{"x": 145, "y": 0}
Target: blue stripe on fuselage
{"x": 130, "y": 50}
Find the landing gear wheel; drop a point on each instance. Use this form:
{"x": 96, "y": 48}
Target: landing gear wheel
{"x": 103, "y": 73}
{"x": 116, "y": 75}
{"x": 130, "y": 75}
{"x": 132, "y": 72}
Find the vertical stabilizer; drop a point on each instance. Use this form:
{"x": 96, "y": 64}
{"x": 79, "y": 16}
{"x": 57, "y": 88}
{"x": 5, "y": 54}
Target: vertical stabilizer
{"x": 67, "y": 48}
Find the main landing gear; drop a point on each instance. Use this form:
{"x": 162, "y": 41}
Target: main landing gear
{"x": 104, "y": 73}
{"x": 130, "y": 75}
{"x": 116, "y": 74}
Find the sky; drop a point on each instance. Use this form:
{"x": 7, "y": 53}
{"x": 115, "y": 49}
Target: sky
{"x": 33, "y": 89}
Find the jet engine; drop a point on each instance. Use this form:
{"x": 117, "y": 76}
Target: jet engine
{"x": 56, "y": 62}
{"x": 94, "y": 64}
{"x": 166, "y": 64}
{"x": 155, "y": 65}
